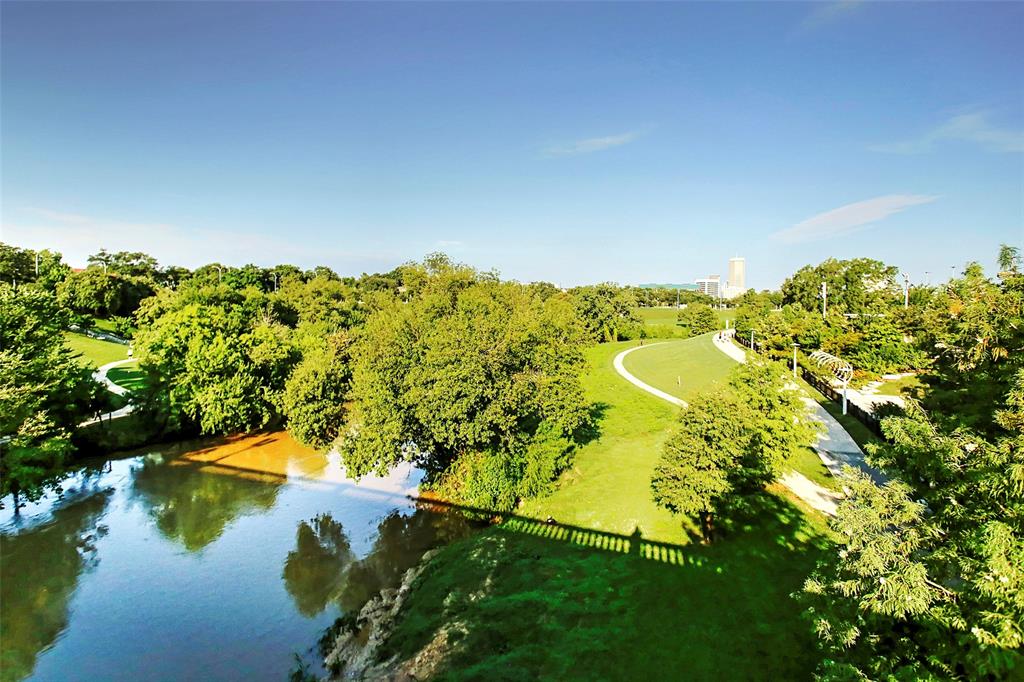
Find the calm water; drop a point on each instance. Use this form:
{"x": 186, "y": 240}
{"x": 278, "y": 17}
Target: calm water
{"x": 210, "y": 563}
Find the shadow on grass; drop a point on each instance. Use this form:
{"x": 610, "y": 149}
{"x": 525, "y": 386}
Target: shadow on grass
{"x": 528, "y": 599}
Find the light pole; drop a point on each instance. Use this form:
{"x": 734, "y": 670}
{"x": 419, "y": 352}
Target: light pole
{"x": 219, "y": 273}
{"x": 906, "y": 290}
{"x": 795, "y": 346}
{"x": 824, "y": 298}
{"x": 751, "y": 339}
{"x": 275, "y": 280}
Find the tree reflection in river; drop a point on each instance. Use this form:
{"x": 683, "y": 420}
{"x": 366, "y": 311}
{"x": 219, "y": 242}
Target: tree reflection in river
{"x": 38, "y": 575}
{"x": 193, "y": 506}
{"x": 322, "y": 567}
{"x": 314, "y": 571}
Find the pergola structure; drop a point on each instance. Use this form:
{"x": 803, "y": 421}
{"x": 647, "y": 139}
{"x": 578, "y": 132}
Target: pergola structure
{"x": 841, "y": 369}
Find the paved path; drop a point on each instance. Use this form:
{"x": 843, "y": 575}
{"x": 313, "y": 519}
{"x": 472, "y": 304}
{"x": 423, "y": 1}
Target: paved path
{"x": 100, "y": 375}
{"x": 818, "y": 497}
{"x": 835, "y": 446}
{"x": 624, "y": 373}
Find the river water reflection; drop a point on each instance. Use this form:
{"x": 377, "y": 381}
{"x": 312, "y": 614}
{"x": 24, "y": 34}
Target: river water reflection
{"x": 211, "y": 561}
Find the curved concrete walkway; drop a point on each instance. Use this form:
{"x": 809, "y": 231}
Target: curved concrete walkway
{"x": 100, "y": 375}
{"x": 818, "y": 497}
{"x": 624, "y": 373}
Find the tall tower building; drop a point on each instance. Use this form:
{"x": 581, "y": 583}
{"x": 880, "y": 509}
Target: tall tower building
{"x": 709, "y": 285}
{"x": 738, "y": 274}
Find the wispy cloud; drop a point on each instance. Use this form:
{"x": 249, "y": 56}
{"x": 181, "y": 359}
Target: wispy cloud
{"x": 592, "y": 144}
{"x": 974, "y": 127}
{"x": 77, "y": 236}
{"x": 849, "y": 218}
{"x": 827, "y": 13}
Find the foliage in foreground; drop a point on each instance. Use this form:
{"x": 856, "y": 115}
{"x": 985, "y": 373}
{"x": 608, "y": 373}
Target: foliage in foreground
{"x": 930, "y": 584}
{"x": 44, "y": 391}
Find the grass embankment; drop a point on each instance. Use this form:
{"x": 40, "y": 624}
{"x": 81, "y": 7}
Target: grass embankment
{"x": 96, "y": 352}
{"x": 910, "y": 386}
{"x": 558, "y": 601}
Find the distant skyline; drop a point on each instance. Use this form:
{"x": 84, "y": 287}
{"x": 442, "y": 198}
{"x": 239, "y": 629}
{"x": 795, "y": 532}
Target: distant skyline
{"x": 566, "y": 142}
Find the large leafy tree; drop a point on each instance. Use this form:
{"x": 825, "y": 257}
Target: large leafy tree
{"x": 974, "y": 328}
{"x": 316, "y": 393}
{"x": 732, "y": 442}
{"x": 698, "y": 318}
{"x": 696, "y": 474}
{"x": 858, "y": 285}
{"x": 215, "y": 357}
{"x": 20, "y": 266}
{"x": 472, "y": 374}
{"x": 44, "y": 391}
{"x": 607, "y": 310}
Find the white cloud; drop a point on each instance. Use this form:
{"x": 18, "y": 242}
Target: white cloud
{"x": 592, "y": 144}
{"x": 78, "y": 236}
{"x": 975, "y": 127}
{"x": 826, "y": 13}
{"x": 849, "y": 218}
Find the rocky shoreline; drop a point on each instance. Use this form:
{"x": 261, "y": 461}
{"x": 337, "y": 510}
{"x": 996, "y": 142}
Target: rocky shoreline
{"x": 355, "y": 651}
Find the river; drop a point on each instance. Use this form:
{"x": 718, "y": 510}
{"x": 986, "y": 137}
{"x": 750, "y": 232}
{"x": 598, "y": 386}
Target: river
{"x": 211, "y": 560}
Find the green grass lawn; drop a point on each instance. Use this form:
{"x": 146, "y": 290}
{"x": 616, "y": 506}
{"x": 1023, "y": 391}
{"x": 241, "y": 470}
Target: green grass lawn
{"x": 128, "y": 376}
{"x": 568, "y": 604}
{"x": 94, "y": 351}
{"x": 680, "y": 368}
{"x": 904, "y": 386}
{"x": 657, "y": 315}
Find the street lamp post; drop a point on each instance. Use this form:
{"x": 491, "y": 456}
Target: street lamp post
{"x": 906, "y": 290}
{"x": 795, "y": 346}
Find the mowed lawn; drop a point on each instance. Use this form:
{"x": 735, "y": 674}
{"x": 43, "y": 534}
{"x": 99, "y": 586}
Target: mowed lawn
{"x": 128, "y": 376}
{"x": 96, "y": 352}
{"x": 680, "y": 368}
{"x": 608, "y": 487}
{"x": 554, "y": 606}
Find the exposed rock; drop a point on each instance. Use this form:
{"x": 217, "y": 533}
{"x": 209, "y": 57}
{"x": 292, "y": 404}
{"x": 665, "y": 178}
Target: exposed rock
{"x": 355, "y": 653}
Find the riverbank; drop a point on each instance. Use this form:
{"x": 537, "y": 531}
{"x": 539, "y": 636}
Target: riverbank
{"x": 612, "y": 587}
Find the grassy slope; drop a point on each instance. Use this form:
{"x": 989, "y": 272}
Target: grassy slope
{"x": 695, "y": 363}
{"x": 528, "y": 607}
{"x": 128, "y": 376}
{"x": 911, "y": 386}
{"x": 94, "y": 351}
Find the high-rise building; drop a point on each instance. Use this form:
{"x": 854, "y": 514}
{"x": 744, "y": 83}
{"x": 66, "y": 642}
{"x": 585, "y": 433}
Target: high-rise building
{"x": 738, "y": 273}
{"x": 709, "y": 285}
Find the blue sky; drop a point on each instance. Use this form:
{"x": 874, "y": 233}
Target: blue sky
{"x": 569, "y": 142}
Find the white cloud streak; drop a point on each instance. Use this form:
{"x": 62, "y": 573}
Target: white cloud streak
{"x": 592, "y": 144}
{"x": 975, "y": 127}
{"x": 827, "y": 13}
{"x": 78, "y": 236}
{"x": 849, "y": 218}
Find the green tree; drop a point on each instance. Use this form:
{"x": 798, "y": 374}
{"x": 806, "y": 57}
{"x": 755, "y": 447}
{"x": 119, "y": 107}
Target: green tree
{"x": 695, "y": 475}
{"x": 698, "y": 319}
{"x": 315, "y": 394}
{"x": 214, "y": 357}
{"x": 471, "y": 372}
{"x": 21, "y": 266}
{"x": 859, "y": 285}
{"x": 1009, "y": 258}
{"x": 929, "y": 584}
{"x": 44, "y": 392}
{"x": 607, "y": 310}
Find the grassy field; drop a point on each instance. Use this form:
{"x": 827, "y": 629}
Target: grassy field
{"x": 94, "y": 351}
{"x": 576, "y": 600}
{"x": 128, "y": 376}
{"x": 904, "y": 386}
{"x": 680, "y": 368}
{"x": 667, "y": 316}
